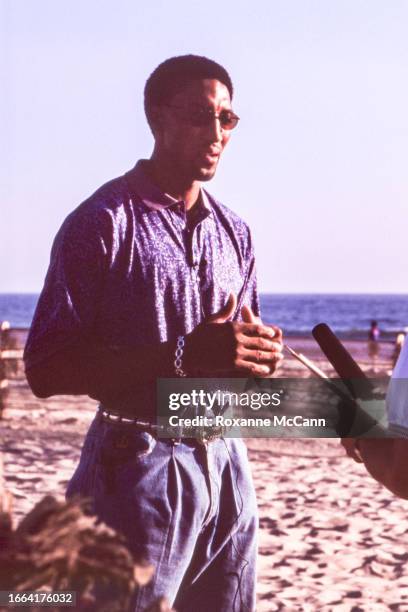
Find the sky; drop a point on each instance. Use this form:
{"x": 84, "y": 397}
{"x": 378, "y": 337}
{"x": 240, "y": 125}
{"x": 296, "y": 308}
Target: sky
{"x": 317, "y": 165}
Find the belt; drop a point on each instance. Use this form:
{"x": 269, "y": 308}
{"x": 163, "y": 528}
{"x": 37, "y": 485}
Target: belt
{"x": 202, "y": 436}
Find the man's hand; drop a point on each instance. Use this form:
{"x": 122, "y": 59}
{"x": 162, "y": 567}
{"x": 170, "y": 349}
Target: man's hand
{"x": 351, "y": 448}
{"x": 249, "y": 317}
{"x": 218, "y": 345}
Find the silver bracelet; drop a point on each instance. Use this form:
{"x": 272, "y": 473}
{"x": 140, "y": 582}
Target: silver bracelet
{"x": 178, "y": 363}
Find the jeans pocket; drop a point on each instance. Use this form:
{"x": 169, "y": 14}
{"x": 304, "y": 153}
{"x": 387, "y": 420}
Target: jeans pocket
{"x": 121, "y": 447}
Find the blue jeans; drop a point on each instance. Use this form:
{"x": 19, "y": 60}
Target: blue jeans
{"x": 188, "y": 509}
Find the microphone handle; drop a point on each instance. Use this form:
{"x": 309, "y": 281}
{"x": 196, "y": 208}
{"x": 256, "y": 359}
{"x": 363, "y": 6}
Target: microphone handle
{"x": 348, "y": 370}
{"x": 353, "y": 377}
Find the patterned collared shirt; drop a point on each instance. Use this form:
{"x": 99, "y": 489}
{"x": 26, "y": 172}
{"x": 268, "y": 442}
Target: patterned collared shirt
{"x": 126, "y": 269}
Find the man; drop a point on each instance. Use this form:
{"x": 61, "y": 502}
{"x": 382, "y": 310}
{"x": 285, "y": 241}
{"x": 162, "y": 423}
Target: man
{"x": 152, "y": 277}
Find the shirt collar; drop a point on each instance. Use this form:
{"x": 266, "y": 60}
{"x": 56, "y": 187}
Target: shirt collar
{"x": 141, "y": 185}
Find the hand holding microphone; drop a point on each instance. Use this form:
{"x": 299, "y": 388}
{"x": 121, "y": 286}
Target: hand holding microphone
{"x": 360, "y": 387}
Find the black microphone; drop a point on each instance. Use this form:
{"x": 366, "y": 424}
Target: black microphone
{"x": 348, "y": 370}
{"x": 352, "y": 376}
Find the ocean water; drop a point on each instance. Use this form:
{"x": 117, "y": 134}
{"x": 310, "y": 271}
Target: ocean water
{"x": 348, "y": 315}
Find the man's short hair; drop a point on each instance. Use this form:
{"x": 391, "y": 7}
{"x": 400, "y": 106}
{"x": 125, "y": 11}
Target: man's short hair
{"x": 175, "y": 73}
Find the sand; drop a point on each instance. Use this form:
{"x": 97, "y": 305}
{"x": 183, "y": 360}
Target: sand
{"x": 331, "y": 538}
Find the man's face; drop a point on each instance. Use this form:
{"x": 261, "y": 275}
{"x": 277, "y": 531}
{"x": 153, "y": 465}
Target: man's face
{"x": 194, "y": 150}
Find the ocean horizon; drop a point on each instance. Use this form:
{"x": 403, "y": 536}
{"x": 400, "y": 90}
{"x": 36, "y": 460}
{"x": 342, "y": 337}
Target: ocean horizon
{"x": 349, "y": 315}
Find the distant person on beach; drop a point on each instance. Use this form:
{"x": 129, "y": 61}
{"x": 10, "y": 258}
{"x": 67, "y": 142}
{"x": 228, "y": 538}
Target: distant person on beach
{"x": 153, "y": 277}
{"x": 373, "y": 343}
{"x": 373, "y": 339}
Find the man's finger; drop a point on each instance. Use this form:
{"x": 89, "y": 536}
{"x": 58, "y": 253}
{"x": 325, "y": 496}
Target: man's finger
{"x": 349, "y": 445}
{"x": 249, "y": 368}
{"x": 248, "y": 315}
{"x": 226, "y": 312}
{"x": 257, "y": 329}
{"x": 278, "y": 332}
{"x": 264, "y": 344}
{"x": 259, "y": 356}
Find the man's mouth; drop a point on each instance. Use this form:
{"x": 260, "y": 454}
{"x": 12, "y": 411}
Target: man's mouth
{"x": 211, "y": 157}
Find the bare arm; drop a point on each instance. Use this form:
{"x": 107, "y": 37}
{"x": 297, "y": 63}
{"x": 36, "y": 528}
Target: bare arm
{"x": 386, "y": 461}
{"x": 384, "y": 458}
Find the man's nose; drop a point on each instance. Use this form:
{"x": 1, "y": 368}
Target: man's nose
{"x": 214, "y": 130}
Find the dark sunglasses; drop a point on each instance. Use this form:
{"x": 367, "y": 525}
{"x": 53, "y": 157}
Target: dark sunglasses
{"x": 201, "y": 117}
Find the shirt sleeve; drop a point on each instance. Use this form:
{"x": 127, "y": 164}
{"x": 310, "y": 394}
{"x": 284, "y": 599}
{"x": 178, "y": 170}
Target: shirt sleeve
{"x": 397, "y": 396}
{"x": 68, "y": 304}
{"x": 249, "y": 296}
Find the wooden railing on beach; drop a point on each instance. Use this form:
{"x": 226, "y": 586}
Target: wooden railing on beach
{"x": 12, "y": 341}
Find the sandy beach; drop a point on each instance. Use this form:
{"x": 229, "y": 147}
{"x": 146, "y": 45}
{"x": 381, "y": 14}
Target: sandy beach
{"x": 330, "y": 537}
